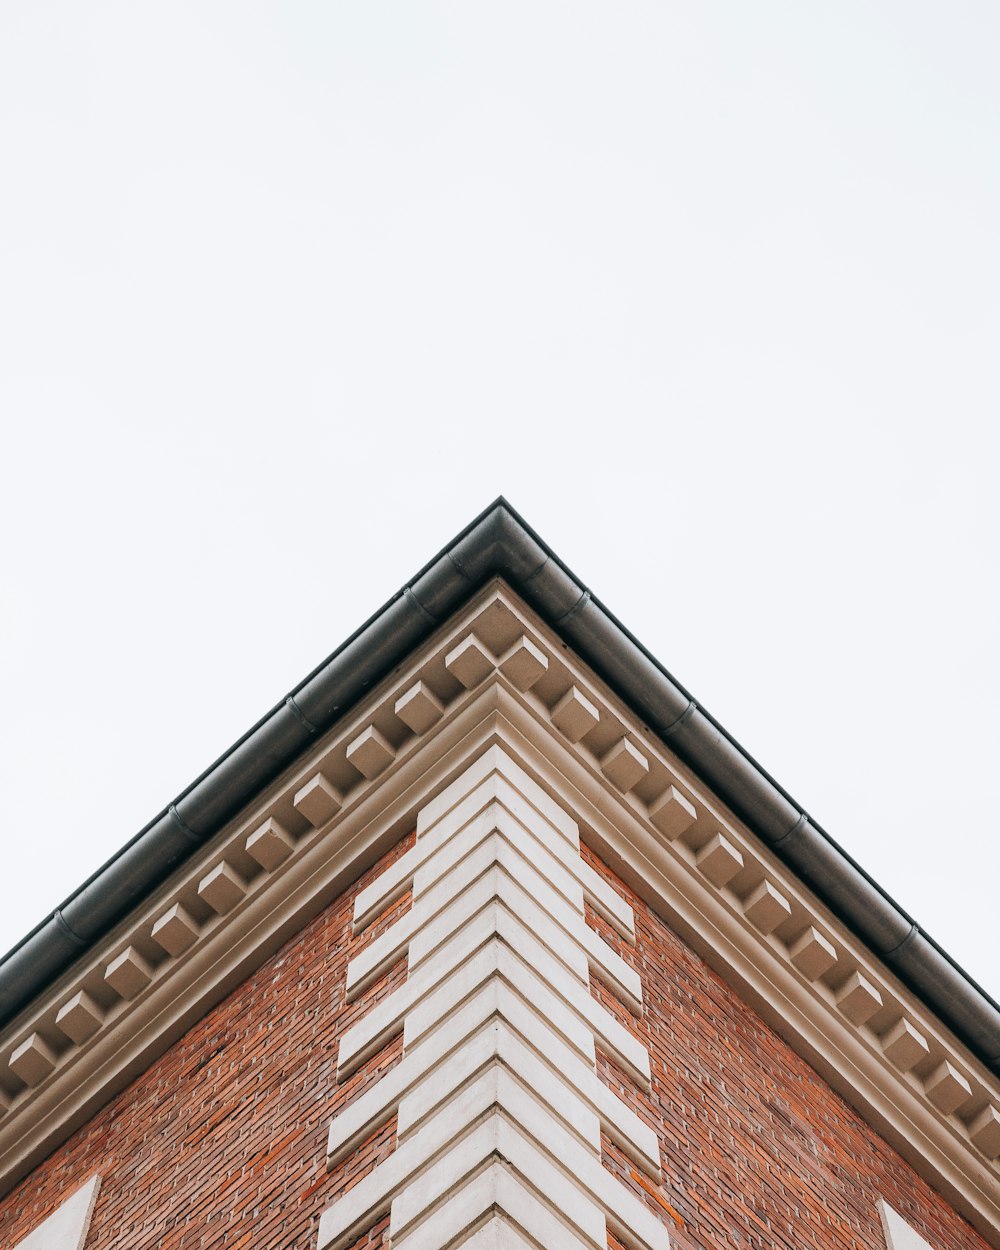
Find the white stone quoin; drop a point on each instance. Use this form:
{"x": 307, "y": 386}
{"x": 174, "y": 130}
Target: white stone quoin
{"x": 500, "y": 1108}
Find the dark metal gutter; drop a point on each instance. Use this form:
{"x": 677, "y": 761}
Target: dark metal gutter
{"x": 499, "y": 542}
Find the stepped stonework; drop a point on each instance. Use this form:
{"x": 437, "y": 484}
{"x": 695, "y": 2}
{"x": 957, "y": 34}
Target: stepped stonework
{"x": 498, "y": 1103}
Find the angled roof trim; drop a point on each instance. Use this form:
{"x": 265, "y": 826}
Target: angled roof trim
{"x": 500, "y": 543}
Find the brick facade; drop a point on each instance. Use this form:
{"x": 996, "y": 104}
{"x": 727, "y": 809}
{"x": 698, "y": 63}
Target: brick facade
{"x": 758, "y": 1151}
{"x": 221, "y": 1143}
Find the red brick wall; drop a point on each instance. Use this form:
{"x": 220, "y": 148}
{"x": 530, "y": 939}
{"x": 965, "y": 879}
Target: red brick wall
{"x": 221, "y": 1143}
{"x": 757, "y": 1150}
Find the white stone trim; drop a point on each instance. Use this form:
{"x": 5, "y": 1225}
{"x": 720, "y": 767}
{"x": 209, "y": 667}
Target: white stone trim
{"x": 66, "y": 1228}
{"x": 497, "y": 1093}
{"x": 898, "y": 1234}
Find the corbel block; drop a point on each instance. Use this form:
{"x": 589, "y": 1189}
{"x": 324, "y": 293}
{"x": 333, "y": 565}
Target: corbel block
{"x": 812, "y": 954}
{"x": 33, "y": 1060}
{"x": 523, "y": 664}
{"x": 575, "y": 715}
{"x": 129, "y": 973}
{"x": 371, "y": 753}
{"x": 317, "y": 801}
{"x": 947, "y": 1088}
{"x": 765, "y": 907}
{"x": 858, "y": 999}
{"x": 176, "y": 930}
{"x": 904, "y": 1046}
{"x": 419, "y": 708}
{"x": 985, "y": 1131}
{"x": 672, "y": 813}
{"x": 222, "y": 888}
{"x": 270, "y": 845}
{"x": 624, "y": 765}
{"x": 470, "y": 662}
{"x": 719, "y": 860}
{"x": 80, "y": 1017}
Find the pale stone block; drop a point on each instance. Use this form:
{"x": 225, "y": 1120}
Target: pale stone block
{"x": 523, "y": 664}
{"x": 419, "y": 708}
{"x": 812, "y": 954}
{"x": 499, "y": 1234}
{"x": 719, "y": 860}
{"x": 515, "y": 954}
{"x": 672, "y": 813}
{"x": 270, "y": 845}
{"x": 371, "y": 753}
{"x": 495, "y": 762}
{"x": 495, "y": 827}
{"x": 470, "y": 662}
{"x": 317, "y": 801}
{"x": 499, "y": 1106}
{"x": 985, "y": 1131}
{"x": 947, "y": 1088}
{"x": 128, "y": 974}
{"x": 500, "y": 1048}
{"x": 222, "y": 888}
{"x": 457, "y": 884}
{"x": 765, "y": 907}
{"x": 904, "y": 1046}
{"x": 858, "y": 999}
{"x": 477, "y": 982}
{"x": 80, "y": 1017}
{"x": 500, "y": 1190}
{"x": 549, "y": 822}
{"x": 33, "y": 1060}
{"x": 898, "y": 1234}
{"x": 624, "y": 765}
{"x": 524, "y": 893}
{"x": 480, "y": 1021}
{"x": 575, "y": 715}
{"x": 176, "y": 930}
{"x": 66, "y": 1228}
{"x": 577, "y": 1181}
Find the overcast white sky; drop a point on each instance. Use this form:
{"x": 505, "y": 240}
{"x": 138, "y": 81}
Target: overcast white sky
{"x": 711, "y": 291}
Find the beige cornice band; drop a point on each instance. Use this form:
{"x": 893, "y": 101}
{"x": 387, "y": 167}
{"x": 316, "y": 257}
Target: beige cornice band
{"x": 496, "y": 676}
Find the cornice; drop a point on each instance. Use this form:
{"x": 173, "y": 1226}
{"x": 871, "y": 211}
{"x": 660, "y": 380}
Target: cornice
{"x": 497, "y": 675}
{"x": 498, "y": 543}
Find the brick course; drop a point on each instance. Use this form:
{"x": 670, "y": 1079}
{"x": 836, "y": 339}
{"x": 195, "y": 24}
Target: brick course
{"x": 221, "y": 1143}
{"x": 757, "y": 1150}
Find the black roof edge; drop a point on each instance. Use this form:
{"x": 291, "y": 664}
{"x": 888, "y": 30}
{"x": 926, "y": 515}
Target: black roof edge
{"x": 500, "y": 542}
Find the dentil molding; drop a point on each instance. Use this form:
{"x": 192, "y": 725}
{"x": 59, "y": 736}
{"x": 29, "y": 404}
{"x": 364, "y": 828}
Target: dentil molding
{"x": 495, "y": 676}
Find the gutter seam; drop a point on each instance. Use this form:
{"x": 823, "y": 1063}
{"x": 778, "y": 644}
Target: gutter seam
{"x": 568, "y": 615}
{"x": 182, "y": 824}
{"x": 799, "y": 825}
{"x": 904, "y": 942}
{"x": 458, "y": 565}
{"x": 70, "y": 932}
{"x": 300, "y": 716}
{"x": 411, "y": 598}
{"x": 681, "y": 720}
{"x": 535, "y": 572}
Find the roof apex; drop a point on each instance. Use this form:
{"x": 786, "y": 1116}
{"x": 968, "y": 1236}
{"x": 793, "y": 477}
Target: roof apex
{"x": 500, "y": 543}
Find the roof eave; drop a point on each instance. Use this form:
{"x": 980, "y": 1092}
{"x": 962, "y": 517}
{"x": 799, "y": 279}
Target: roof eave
{"x": 500, "y": 543}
